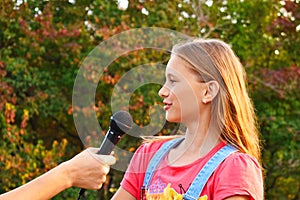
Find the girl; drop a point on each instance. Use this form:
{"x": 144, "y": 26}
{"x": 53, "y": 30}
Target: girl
{"x": 205, "y": 90}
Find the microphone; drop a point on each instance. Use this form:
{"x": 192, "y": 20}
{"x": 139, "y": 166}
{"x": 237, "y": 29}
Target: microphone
{"x": 120, "y": 123}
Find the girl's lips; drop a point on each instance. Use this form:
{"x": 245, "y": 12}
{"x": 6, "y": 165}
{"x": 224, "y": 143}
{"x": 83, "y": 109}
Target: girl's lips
{"x": 167, "y": 105}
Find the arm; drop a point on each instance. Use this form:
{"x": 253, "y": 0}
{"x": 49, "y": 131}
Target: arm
{"x": 122, "y": 194}
{"x": 86, "y": 170}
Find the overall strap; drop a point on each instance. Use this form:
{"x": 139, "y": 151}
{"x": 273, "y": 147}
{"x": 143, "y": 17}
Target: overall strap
{"x": 199, "y": 182}
{"x": 157, "y": 158}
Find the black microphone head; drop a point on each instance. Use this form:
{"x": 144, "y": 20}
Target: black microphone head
{"x": 121, "y": 122}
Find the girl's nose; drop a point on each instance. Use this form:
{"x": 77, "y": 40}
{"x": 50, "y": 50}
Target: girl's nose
{"x": 163, "y": 92}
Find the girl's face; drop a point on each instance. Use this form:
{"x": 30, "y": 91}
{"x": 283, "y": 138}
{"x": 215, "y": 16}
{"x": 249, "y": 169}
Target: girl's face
{"x": 182, "y": 92}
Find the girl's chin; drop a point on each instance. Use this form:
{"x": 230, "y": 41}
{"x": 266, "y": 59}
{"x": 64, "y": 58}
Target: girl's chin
{"x": 172, "y": 119}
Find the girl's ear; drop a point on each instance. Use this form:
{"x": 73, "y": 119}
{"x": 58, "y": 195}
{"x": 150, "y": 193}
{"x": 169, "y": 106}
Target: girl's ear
{"x": 212, "y": 89}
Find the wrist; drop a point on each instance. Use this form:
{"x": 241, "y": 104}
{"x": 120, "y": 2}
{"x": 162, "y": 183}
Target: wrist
{"x": 66, "y": 174}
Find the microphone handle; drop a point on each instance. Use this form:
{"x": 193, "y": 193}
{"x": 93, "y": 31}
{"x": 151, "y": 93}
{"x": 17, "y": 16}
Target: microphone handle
{"x": 80, "y": 194}
{"x": 107, "y": 146}
{"x": 109, "y": 143}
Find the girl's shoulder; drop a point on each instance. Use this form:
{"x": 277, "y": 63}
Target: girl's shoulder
{"x": 148, "y": 149}
{"x": 241, "y": 160}
{"x": 240, "y": 174}
{"x": 240, "y": 167}
{"x": 151, "y": 146}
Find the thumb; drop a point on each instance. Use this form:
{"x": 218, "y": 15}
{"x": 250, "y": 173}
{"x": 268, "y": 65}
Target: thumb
{"x": 107, "y": 159}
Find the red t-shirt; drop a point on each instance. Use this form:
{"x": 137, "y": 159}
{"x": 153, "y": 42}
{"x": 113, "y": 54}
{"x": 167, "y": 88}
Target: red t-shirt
{"x": 238, "y": 174}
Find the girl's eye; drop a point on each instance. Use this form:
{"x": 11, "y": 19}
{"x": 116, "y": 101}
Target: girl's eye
{"x": 172, "y": 80}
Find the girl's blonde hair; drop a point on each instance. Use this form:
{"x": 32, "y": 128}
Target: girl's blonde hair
{"x": 232, "y": 109}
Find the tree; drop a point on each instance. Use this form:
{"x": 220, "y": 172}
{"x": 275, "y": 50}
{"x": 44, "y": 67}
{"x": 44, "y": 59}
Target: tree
{"x": 20, "y": 159}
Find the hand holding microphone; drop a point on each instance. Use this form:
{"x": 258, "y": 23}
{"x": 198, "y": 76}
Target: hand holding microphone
{"x": 120, "y": 123}
{"x": 87, "y": 169}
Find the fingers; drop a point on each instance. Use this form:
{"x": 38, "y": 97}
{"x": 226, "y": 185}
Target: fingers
{"x": 105, "y": 159}
{"x": 99, "y": 183}
{"x": 88, "y": 169}
{"x": 105, "y": 169}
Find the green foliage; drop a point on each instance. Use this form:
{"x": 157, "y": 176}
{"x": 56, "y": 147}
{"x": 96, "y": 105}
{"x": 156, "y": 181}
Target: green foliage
{"x": 279, "y": 121}
{"x": 43, "y": 44}
{"x": 21, "y": 158}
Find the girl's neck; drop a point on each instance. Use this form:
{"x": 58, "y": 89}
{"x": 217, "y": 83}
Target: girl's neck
{"x": 201, "y": 136}
{"x": 201, "y": 141}
{"x": 193, "y": 147}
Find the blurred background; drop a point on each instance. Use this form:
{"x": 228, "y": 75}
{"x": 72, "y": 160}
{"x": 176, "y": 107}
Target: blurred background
{"x": 43, "y": 43}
